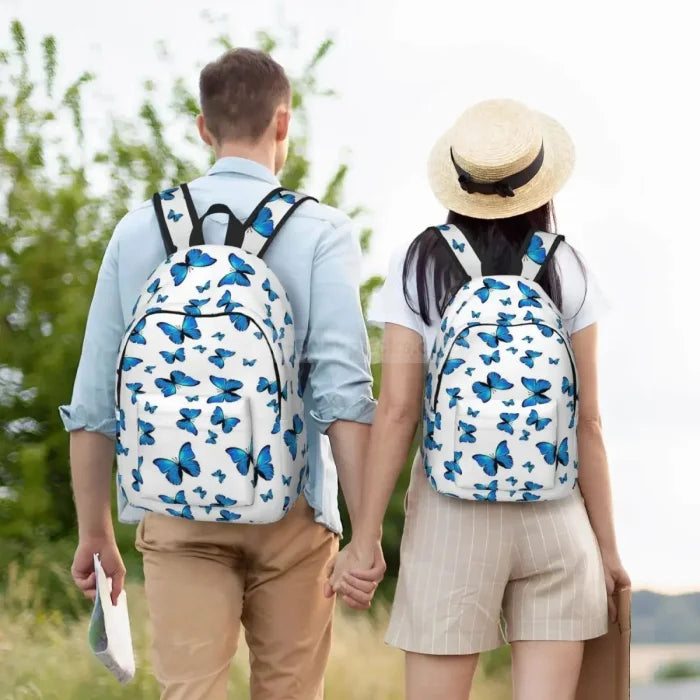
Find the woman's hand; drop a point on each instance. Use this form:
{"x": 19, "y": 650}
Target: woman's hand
{"x": 616, "y": 578}
{"x": 356, "y": 574}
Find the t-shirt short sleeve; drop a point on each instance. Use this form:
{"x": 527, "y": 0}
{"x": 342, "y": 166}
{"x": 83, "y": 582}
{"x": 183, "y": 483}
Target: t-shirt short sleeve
{"x": 583, "y": 302}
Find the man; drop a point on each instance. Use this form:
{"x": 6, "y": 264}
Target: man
{"x": 203, "y": 579}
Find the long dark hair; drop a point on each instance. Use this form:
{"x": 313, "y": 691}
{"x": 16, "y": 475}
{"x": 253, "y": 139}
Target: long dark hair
{"x": 497, "y": 242}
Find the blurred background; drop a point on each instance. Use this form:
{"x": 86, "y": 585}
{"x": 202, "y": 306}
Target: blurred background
{"x": 97, "y": 107}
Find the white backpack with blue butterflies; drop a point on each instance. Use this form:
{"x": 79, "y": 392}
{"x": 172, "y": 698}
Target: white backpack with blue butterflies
{"x": 210, "y": 417}
{"x": 500, "y": 406}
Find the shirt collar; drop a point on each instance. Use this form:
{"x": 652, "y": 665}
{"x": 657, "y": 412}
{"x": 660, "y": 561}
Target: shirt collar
{"x": 243, "y": 166}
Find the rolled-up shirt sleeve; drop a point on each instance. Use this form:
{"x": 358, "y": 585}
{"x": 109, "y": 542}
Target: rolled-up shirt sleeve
{"x": 337, "y": 348}
{"x": 92, "y": 404}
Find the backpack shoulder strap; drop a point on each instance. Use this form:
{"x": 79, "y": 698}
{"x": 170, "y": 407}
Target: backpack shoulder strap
{"x": 538, "y": 250}
{"x": 268, "y": 217}
{"x": 176, "y": 216}
{"x": 461, "y": 249}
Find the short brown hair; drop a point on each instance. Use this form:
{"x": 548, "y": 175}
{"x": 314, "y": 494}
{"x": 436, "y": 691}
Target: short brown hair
{"x": 239, "y": 93}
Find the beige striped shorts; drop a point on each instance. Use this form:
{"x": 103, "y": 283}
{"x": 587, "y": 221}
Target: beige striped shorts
{"x": 475, "y": 575}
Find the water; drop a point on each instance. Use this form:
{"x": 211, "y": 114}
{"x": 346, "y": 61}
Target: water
{"x": 677, "y": 690}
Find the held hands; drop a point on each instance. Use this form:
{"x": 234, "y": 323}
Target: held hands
{"x": 83, "y": 569}
{"x": 355, "y": 575}
{"x": 616, "y": 578}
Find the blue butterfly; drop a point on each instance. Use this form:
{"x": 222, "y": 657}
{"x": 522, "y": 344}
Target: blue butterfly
{"x": 227, "y": 390}
{"x": 239, "y": 272}
{"x": 120, "y": 449}
{"x": 195, "y": 306}
{"x": 130, "y": 362}
{"x": 536, "y": 251}
{"x": 471, "y": 412}
{"x": 177, "y": 379}
{"x": 263, "y": 223}
{"x": 186, "y": 513}
{"x": 452, "y": 467}
{"x": 171, "y": 357}
{"x": 290, "y": 436}
{"x": 151, "y": 409}
{"x": 489, "y": 285}
{"x": 227, "y": 515}
{"x": 187, "y": 420}
{"x": 546, "y": 331}
{"x": 476, "y": 314}
{"x": 149, "y": 369}
{"x": 529, "y": 466}
{"x": 288, "y": 319}
{"x": 551, "y": 454}
{"x": 506, "y": 301}
{"x": 223, "y": 501}
{"x": 271, "y": 387}
{"x": 512, "y": 480}
{"x": 138, "y": 480}
{"x": 227, "y": 424}
{"x": 200, "y": 492}
{"x": 193, "y": 258}
{"x": 493, "y": 357}
{"x": 211, "y": 440}
{"x": 227, "y": 304}
{"x": 243, "y": 459}
{"x": 179, "y": 499}
{"x": 443, "y": 227}
{"x": 276, "y": 426}
{"x": 527, "y": 338}
{"x": 251, "y": 363}
{"x": 220, "y": 356}
{"x": 154, "y": 286}
{"x": 135, "y": 388}
{"x": 529, "y": 496}
{"x": 525, "y": 435}
{"x": 192, "y": 399}
{"x": 468, "y": 431}
{"x": 169, "y": 193}
{"x": 201, "y": 288}
{"x": 267, "y": 496}
{"x": 458, "y": 246}
{"x": 567, "y": 387}
{"x": 530, "y": 296}
{"x": 271, "y": 294}
{"x": 259, "y": 335}
{"x": 502, "y": 335}
{"x": 553, "y": 361}
{"x": 491, "y": 488}
{"x": 451, "y": 365}
{"x": 448, "y": 335}
{"x": 539, "y": 423}
{"x": 135, "y": 334}
{"x": 469, "y": 370}
{"x": 504, "y": 319}
{"x": 509, "y": 402}
{"x": 186, "y": 463}
{"x": 462, "y": 339}
{"x": 491, "y": 463}
{"x": 563, "y": 479}
{"x": 145, "y": 433}
{"x": 429, "y": 441}
{"x": 455, "y": 396}
{"x": 173, "y": 216}
{"x": 529, "y": 357}
{"x": 494, "y": 382}
{"x": 286, "y": 480}
{"x": 219, "y": 475}
{"x": 162, "y": 298}
{"x": 121, "y": 420}
{"x": 240, "y": 322}
{"x": 506, "y": 420}
{"x": 287, "y": 197}
{"x": 177, "y": 334}
{"x": 538, "y": 389}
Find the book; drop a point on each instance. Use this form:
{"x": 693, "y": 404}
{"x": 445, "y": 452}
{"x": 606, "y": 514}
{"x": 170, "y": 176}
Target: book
{"x": 109, "y": 634}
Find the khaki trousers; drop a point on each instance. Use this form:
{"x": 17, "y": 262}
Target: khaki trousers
{"x": 203, "y": 579}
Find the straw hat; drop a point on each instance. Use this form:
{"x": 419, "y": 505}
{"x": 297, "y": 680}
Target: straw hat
{"x": 500, "y": 159}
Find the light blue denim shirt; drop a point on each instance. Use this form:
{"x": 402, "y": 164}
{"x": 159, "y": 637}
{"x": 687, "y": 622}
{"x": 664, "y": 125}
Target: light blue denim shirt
{"x": 317, "y": 258}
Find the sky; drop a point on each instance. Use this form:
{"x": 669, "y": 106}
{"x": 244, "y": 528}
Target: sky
{"x": 620, "y": 77}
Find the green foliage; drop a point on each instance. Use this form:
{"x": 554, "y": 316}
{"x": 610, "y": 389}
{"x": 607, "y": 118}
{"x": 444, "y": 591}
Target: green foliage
{"x": 678, "y": 670}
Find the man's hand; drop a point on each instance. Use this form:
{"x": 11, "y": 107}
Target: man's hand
{"x": 356, "y": 575}
{"x": 83, "y": 569}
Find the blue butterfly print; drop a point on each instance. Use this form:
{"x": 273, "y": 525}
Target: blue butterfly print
{"x": 491, "y": 488}
{"x": 219, "y": 357}
{"x": 270, "y": 386}
{"x": 538, "y": 389}
{"x": 271, "y": 326}
{"x": 502, "y": 335}
{"x": 251, "y": 363}
{"x": 529, "y": 496}
{"x": 512, "y": 480}
{"x": 536, "y": 251}
{"x": 429, "y": 442}
{"x": 553, "y": 361}
{"x": 286, "y": 480}
{"x": 476, "y": 314}
{"x": 219, "y": 475}
{"x": 530, "y": 296}
{"x": 211, "y": 440}
{"x": 276, "y": 426}
{"x": 469, "y": 370}
{"x": 471, "y": 412}
{"x": 506, "y": 301}
{"x": 491, "y": 463}
{"x": 443, "y": 227}
{"x": 452, "y": 467}
{"x": 130, "y": 362}
{"x": 551, "y": 454}
{"x": 539, "y": 423}
{"x": 169, "y": 194}
{"x": 239, "y": 272}
{"x": 287, "y": 197}
{"x": 494, "y": 382}
{"x": 509, "y": 402}
{"x": 567, "y": 387}
{"x": 218, "y": 336}
{"x": 513, "y": 351}
{"x": 173, "y": 216}
{"x": 177, "y": 334}
{"x": 179, "y": 499}
{"x": 452, "y": 365}
{"x": 200, "y": 349}
{"x": 138, "y": 480}
{"x": 200, "y": 492}
{"x": 187, "y": 420}
{"x": 177, "y": 379}
{"x": 529, "y": 466}
{"x": 468, "y": 431}
{"x": 287, "y": 319}
{"x": 121, "y": 420}
{"x": 186, "y": 513}
{"x": 525, "y": 435}
{"x": 195, "y": 306}
{"x": 493, "y": 357}
{"x": 448, "y": 335}
{"x": 172, "y": 357}
{"x": 263, "y": 223}
{"x": 227, "y": 424}
{"x": 563, "y": 479}
{"x": 458, "y": 246}
{"x": 135, "y": 335}
{"x": 259, "y": 335}
{"x": 443, "y": 325}
{"x": 145, "y": 433}
{"x": 154, "y": 286}
{"x": 455, "y": 396}
{"x": 489, "y": 285}
{"x": 504, "y": 319}
{"x": 193, "y": 258}
{"x": 506, "y": 420}
{"x": 226, "y": 303}
{"x": 191, "y": 399}
{"x": 223, "y": 501}
{"x": 528, "y": 338}
{"x": 271, "y": 294}
{"x": 120, "y": 449}
{"x": 267, "y": 496}
{"x": 546, "y": 331}
{"x": 240, "y": 322}
{"x": 227, "y": 390}
{"x": 529, "y": 357}
{"x": 274, "y": 405}
{"x": 135, "y": 388}
{"x": 227, "y": 515}
{"x": 290, "y": 436}
{"x": 149, "y": 369}
{"x": 243, "y": 459}
{"x": 201, "y": 288}
{"x": 151, "y": 409}
{"x": 185, "y": 463}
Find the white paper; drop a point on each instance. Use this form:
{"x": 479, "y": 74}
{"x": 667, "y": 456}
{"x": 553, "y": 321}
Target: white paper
{"x": 109, "y": 635}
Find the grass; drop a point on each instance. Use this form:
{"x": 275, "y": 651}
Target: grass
{"x": 44, "y": 655}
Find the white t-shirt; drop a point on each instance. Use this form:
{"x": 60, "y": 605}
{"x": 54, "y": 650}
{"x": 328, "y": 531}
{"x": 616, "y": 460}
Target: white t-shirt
{"x": 583, "y": 302}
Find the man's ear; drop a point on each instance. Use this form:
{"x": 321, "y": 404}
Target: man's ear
{"x": 283, "y": 117}
{"x": 203, "y": 131}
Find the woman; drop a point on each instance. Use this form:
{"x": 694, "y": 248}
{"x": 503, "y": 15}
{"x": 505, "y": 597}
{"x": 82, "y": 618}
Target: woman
{"x": 543, "y": 563}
